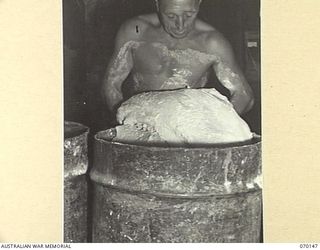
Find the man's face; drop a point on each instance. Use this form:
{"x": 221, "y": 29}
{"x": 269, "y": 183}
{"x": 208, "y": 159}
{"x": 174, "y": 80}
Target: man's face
{"x": 178, "y": 16}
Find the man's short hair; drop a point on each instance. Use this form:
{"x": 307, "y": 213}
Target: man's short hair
{"x": 157, "y": 2}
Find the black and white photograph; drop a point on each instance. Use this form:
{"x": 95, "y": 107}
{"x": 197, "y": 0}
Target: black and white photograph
{"x": 162, "y": 121}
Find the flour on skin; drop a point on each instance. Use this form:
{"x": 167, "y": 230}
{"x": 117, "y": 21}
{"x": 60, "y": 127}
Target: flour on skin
{"x": 179, "y": 79}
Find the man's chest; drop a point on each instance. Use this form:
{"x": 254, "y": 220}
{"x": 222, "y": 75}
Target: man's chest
{"x": 153, "y": 58}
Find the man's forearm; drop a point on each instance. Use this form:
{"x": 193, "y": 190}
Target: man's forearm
{"x": 113, "y": 97}
{"x": 241, "y": 93}
{"x": 118, "y": 70}
{"x": 242, "y": 103}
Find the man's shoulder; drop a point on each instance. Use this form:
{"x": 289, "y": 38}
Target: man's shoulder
{"x": 214, "y": 41}
{"x": 142, "y": 20}
{"x": 203, "y": 27}
{"x": 134, "y": 28}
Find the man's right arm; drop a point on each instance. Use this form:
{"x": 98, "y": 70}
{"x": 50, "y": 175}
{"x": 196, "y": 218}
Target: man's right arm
{"x": 118, "y": 70}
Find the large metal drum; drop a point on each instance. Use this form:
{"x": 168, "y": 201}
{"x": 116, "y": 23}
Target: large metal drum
{"x": 75, "y": 183}
{"x": 157, "y": 194}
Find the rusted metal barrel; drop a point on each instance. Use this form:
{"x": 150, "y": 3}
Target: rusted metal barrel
{"x": 75, "y": 183}
{"x": 157, "y": 194}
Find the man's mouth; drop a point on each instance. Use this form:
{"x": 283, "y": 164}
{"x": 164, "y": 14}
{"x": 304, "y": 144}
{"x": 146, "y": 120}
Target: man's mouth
{"x": 179, "y": 33}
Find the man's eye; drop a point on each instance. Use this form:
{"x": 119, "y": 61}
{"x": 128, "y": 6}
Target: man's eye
{"x": 189, "y": 14}
{"x": 170, "y": 16}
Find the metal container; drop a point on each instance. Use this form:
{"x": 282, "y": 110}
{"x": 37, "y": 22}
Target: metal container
{"x": 75, "y": 182}
{"x": 157, "y": 194}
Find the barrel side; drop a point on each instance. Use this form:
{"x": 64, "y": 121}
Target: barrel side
{"x": 177, "y": 171}
{"x": 154, "y": 194}
{"x": 128, "y": 217}
{"x": 75, "y": 182}
{"x": 75, "y": 209}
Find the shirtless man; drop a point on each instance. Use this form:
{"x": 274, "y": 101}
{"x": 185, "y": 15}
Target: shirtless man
{"x": 171, "y": 50}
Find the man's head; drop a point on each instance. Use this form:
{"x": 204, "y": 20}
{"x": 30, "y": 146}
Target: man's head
{"x": 178, "y": 16}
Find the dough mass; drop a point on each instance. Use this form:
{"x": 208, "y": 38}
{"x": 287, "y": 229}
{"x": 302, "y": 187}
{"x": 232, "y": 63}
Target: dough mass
{"x": 183, "y": 117}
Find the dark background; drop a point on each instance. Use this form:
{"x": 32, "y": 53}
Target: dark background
{"x": 90, "y": 27}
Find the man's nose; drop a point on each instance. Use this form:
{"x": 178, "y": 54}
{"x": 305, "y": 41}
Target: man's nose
{"x": 180, "y": 23}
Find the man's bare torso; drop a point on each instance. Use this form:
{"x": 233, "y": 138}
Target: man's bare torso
{"x": 161, "y": 63}
{"x": 158, "y": 58}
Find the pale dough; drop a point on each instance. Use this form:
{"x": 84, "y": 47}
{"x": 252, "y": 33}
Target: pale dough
{"x": 183, "y": 117}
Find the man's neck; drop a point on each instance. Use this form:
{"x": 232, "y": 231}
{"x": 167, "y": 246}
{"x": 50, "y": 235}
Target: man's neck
{"x": 175, "y": 42}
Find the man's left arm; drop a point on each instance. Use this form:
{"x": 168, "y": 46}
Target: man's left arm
{"x": 230, "y": 75}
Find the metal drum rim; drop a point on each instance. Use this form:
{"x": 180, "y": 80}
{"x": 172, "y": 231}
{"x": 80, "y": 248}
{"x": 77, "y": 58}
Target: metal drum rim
{"x": 256, "y": 140}
{"x": 82, "y": 130}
